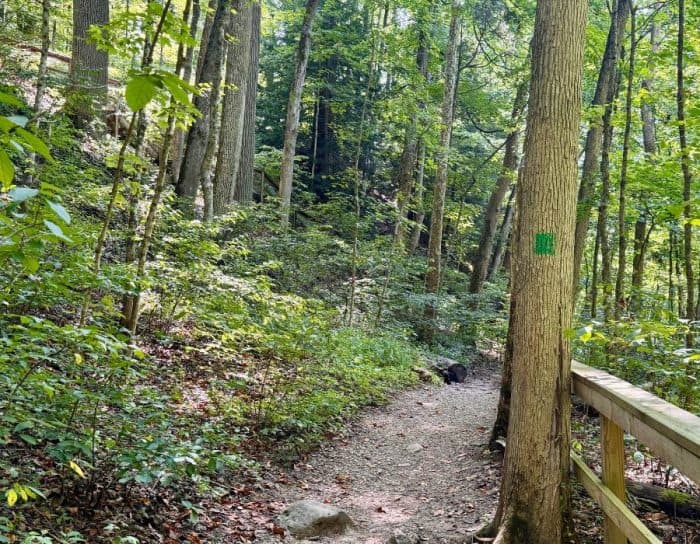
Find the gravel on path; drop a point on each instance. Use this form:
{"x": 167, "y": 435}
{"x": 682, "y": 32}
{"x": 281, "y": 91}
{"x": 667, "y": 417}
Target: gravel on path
{"x": 420, "y": 465}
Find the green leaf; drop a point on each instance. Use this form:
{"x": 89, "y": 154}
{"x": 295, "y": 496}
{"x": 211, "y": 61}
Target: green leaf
{"x": 7, "y": 170}
{"x": 177, "y": 91}
{"x": 36, "y": 143}
{"x": 60, "y": 211}
{"x": 6, "y": 98}
{"x": 20, "y": 194}
{"x": 56, "y": 231}
{"x": 140, "y": 90}
{"x": 30, "y": 263}
{"x": 20, "y": 120}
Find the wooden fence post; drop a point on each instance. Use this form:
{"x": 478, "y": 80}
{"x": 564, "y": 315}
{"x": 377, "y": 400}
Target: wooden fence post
{"x": 612, "y": 442}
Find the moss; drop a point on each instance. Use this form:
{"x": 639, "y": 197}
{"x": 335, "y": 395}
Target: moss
{"x": 676, "y": 496}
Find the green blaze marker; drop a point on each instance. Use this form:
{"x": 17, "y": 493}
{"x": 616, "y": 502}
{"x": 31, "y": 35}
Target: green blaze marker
{"x": 544, "y": 243}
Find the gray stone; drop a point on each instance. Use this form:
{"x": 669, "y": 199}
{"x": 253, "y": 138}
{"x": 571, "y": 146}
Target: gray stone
{"x": 401, "y": 537}
{"x": 307, "y": 519}
{"x": 414, "y": 448}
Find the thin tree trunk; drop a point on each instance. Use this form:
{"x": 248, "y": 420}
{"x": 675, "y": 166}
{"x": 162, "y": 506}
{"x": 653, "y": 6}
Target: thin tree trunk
{"x": 189, "y": 181}
{"x": 432, "y": 276}
{"x": 687, "y": 176}
{"x": 621, "y": 220}
{"x": 640, "y": 226}
{"x": 291, "y": 128}
{"x": 184, "y": 71}
{"x": 43, "y": 58}
{"x": 419, "y": 204}
{"x": 534, "y": 499}
{"x": 498, "y": 260}
{"x": 603, "y": 95}
{"x": 594, "y": 276}
{"x": 246, "y": 174}
{"x": 505, "y": 180}
{"x": 231, "y": 140}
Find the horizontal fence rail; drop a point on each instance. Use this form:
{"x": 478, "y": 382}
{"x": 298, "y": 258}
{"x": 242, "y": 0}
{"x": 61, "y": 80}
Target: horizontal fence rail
{"x": 672, "y": 433}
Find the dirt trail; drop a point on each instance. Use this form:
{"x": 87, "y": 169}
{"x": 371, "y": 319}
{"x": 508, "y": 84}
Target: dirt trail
{"x": 419, "y": 464}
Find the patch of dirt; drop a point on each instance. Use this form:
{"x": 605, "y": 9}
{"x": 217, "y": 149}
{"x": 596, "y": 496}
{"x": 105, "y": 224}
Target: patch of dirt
{"x": 420, "y": 464}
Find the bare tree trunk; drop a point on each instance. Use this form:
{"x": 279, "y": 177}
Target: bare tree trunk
{"x": 43, "y": 59}
{"x": 641, "y": 235}
{"x": 186, "y": 73}
{"x": 432, "y": 276}
{"x": 291, "y": 128}
{"x": 246, "y": 174}
{"x": 189, "y": 181}
{"x": 534, "y": 500}
{"x": 419, "y": 204}
{"x": 88, "y": 65}
{"x": 687, "y": 176}
{"x": 603, "y": 95}
{"x": 498, "y": 257}
{"x": 232, "y": 118}
{"x": 621, "y": 220}
{"x": 506, "y": 178}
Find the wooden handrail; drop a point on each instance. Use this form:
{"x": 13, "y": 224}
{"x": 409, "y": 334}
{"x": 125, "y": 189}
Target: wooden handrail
{"x": 669, "y": 431}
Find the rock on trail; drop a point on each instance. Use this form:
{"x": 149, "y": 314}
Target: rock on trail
{"x": 416, "y": 470}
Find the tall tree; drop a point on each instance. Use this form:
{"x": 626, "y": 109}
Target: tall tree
{"x": 233, "y": 115}
{"x": 44, "y": 56}
{"x": 505, "y": 179}
{"x": 291, "y": 127}
{"x": 685, "y": 167}
{"x": 641, "y": 233}
{"x": 88, "y": 65}
{"x": 603, "y": 95}
{"x": 211, "y": 60}
{"x": 451, "y": 68}
{"x": 622, "y": 196}
{"x": 534, "y": 502}
{"x": 244, "y": 186}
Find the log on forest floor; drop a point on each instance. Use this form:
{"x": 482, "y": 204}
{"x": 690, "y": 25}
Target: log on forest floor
{"x": 672, "y": 502}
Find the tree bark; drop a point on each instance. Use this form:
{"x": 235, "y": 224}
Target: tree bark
{"x": 291, "y": 128}
{"x": 432, "y": 276}
{"x": 603, "y": 95}
{"x": 419, "y": 204}
{"x": 641, "y": 235}
{"x": 246, "y": 175}
{"x": 88, "y": 66}
{"x": 498, "y": 258}
{"x": 232, "y": 117}
{"x": 687, "y": 176}
{"x": 196, "y": 143}
{"x": 44, "y": 55}
{"x": 534, "y": 499}
{"x": 185, "y": 71}
{"x": 620, "y": 302}
{"x": 506, "y": 178}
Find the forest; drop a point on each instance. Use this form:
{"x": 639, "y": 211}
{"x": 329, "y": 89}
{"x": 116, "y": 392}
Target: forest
{"x": 330, "y": 271}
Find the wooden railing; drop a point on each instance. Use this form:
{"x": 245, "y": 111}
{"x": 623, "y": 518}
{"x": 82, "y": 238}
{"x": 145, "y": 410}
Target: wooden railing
{"x": 672, "y": 433}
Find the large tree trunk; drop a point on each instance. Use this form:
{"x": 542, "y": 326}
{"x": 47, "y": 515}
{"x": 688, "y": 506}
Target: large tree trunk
{"x": 603, "y": 95}
{"x": 211, "y": 60}
{"x": 508, "y": 173}
{"x": 232, "y": 119}
{"x": 244, "y": 186}
{"x": 432, "y": 276}
{"x": 88, "y": 65}
{"x": 534, "y": 497}
{"x": 687, "y": 176}
{"x": 291, "y": 127}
